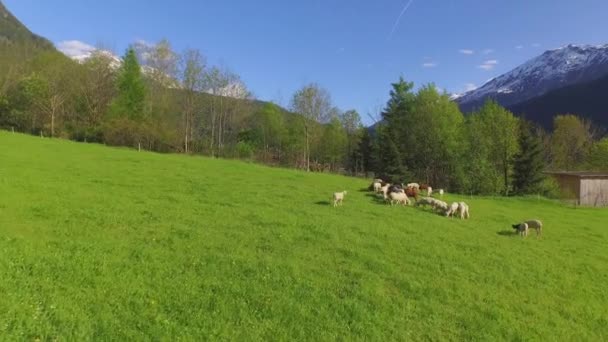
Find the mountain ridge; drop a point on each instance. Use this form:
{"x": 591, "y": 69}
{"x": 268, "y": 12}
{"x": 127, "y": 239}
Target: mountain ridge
{"x": 552, "y": 70}
{"x": 13, "y": 31}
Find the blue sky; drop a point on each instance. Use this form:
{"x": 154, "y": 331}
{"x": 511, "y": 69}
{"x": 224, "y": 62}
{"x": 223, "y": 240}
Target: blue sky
{"x": 354, "y": 48}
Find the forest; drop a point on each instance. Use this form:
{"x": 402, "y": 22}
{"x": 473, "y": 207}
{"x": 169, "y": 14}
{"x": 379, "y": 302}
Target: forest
{"x": 158, "y": 99}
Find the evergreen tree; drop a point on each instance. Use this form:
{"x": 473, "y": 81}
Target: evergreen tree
{"x": 529, "y": 162}
{"x": 391, "y": 146}
{"x": 131, "y": 89}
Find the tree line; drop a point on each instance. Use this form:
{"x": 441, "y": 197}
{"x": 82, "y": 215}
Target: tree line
{"x": 423, "y": 136}
{"x": 159, "y": 100}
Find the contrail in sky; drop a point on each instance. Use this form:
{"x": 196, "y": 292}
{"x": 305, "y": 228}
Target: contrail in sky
{"x": 399, "y": 19}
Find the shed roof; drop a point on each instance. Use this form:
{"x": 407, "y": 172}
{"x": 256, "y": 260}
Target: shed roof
{"x": 579, "y": 174}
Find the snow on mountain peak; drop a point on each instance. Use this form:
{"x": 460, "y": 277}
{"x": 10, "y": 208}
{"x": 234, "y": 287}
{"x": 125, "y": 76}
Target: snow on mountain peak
{"x": 553, "y": 69}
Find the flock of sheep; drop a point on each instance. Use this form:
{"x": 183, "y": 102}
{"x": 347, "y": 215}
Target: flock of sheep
{"x": 401, "y": 194}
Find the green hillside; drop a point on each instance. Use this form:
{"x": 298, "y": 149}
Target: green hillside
{"x": 14, "y": 32}
{"x": 100, "y": 243}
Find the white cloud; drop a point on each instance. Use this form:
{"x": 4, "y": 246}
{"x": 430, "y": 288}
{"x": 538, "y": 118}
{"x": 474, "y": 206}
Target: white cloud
{"x": 519, "y": 47}
{"x": 469, "y": 87}
{"x": 488, "y": 65}
{"x": 488, "y": 51}
{"x": 144, "y": 43}
{"x": 466, "y": 51}
{"x": 75, "y": 48}
{"x": 429, "y": 65}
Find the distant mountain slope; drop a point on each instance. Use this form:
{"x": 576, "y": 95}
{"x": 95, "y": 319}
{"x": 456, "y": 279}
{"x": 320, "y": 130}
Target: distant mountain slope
{"x": 589, "y": 100}
{"x": 12, "y": 31}
{"x": 554, "y": 69}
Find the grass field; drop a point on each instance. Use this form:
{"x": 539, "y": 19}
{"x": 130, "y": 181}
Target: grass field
{"x": 111, "y": 244}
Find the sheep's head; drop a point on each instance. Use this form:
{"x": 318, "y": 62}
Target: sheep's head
{"x": 345, "y": 192}
{"x": 515, "y": 226}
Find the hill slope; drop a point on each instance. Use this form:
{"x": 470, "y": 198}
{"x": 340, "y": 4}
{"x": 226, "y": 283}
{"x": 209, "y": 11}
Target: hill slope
{"x": 12, "y": 31}
{"x": 111, "y": 244}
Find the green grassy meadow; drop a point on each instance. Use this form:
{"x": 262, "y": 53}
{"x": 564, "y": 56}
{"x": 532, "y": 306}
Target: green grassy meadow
{"x": 100, "y": 243}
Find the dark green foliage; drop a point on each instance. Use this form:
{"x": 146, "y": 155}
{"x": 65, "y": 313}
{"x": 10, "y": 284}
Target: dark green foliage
{"x": 598, "y": 156}
{"x": 529, "y": 162}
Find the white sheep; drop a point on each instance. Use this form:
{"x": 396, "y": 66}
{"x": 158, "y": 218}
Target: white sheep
{"x": 463, "y": 210}
{"x": 413, "y": 185}
{"x": 426, "y": 201}
{"x": 399, "y": 198}
{"x": 339, "y": 198}
{"x": 384, "y": 191}
{"x": 429, "y": 191}
{"x": 452, "y": 210}
{"x": 377, "y": 187}
{"x": 441, "y": 193}
{"x": 440, "y": 206}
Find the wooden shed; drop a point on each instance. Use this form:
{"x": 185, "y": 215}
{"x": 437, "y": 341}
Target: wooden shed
{"x": 585, "y": 188}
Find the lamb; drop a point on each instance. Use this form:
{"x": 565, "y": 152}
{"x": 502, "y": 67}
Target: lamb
{"x": 339, "y": 198}
{"x": 440, "y": 206}
{"x": 377, "y": 186}
{"x": 452, "y": 210}
{"x": 372, "y": 186}
{"x": 441, "y": 193}
{"x": 429, "y": 191}
{"x": 399, "y": 198}
{"x": 523, "y": 227}
{"x": 463, "y": 210}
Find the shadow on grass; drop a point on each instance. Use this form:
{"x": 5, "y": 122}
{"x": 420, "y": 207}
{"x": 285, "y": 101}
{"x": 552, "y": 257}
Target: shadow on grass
{"x": 507, "y": 233}
{"x": 323, "y": 203}
{"x": 364, "y": 190}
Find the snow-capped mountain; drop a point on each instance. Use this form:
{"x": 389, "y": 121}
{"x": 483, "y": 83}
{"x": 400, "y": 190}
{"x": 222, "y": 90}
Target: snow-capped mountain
{"x": 554, "y": 69}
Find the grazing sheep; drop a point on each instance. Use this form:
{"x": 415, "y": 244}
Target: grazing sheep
{"x": 398, "y": 198}
{"x": 440, "y": 206}
{"x": 395, "y": 188}
{"x": 413, "y": 185}
{"x": 429, "y": 191}
{"x": 521, "y": 228}
{"x": 530, "y": 224}
{"x": 377, "y": 187}
{"x": 426, "y": 201}
{"x": 463, "y": 210}
{"x": 412, "y": 192}
{"x": 441, "y": 193}
{"x": 384, "y": 191}
{"x": 339, "y": 198}
{"x": 452, "y": 210}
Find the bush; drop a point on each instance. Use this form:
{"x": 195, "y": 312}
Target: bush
{"x": 550, "y": 188}
{"x": 244, "y": 150}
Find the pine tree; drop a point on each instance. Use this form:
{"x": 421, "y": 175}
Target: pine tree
{"x": 131, "y": 89}
{"x": 529, "y": 162}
